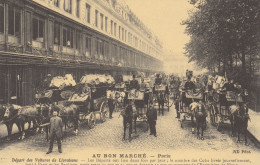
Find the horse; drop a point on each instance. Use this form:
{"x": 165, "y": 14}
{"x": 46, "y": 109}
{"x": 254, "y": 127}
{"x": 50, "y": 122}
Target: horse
{"x": 8, "y": 116}
{"x": 239, "y": 120}
{"x": 45, "y": 120}
{"x": 160, "y": 100}
{"x": 128, "y": 116}
{"x": 28, "y": 114}
{"x": 199, "y": 112}
{"x": 69, "y": 114}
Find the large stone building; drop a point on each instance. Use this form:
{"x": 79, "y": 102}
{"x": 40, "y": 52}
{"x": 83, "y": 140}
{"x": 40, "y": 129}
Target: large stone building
{"x": 41, "y": 37}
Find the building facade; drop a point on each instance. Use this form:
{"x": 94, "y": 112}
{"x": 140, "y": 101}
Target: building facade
{"x": 57, "y": 37}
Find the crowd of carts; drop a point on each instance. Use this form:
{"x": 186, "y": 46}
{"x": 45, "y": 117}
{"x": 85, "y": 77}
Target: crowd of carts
{"x": 87, "y": 100}
{"x": 215, "y": 102}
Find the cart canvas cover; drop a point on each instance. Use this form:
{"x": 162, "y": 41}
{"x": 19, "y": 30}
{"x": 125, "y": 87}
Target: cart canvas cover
{"x": 79, "y": 97}
{"x": 135, "y": 95}
{"x": 194, "y": 95}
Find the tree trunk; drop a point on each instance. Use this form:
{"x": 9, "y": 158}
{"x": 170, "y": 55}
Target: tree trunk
{"x": 243, "y": 60}
{"x": 230, "y": 62}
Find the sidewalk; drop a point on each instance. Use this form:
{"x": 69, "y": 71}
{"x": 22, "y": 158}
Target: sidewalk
{"x": 254, "y": 124}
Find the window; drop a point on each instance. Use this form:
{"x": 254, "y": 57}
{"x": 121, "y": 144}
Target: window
{"x": 96, "y": 18}
{"x": 78, "y": 40}
{"x": 111, "y": 28}
{"x": 123, "y": 34}
{"x": 14, "y": 21}
{"x": 101, "y": 21}
{"x": 96, "y": 45}
{"x": 56, "y": 33}
{"x": 56, "y": 3}
{"x": 88, "y": 13}
{"x": 107, "y": 50}
{"x": 67, "y": 6}
{"x": 78, "y": 9}
{"x": 106, "y": 24}
{"x": 1, "y": 18}
{"x": 113, "y": 51}
{"x": 38, "y": 28}
{"x": 88, "y": 44}
{"x": 119, "y": 32}
{"x": 101, "y": 47}
{"x": 129, "y": 37}
{"x": 68, "y": 37}
{"x": 115, "y": 29}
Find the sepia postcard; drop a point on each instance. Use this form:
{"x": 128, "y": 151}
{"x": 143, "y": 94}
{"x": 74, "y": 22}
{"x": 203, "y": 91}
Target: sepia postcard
{"x": 129, "y": 82}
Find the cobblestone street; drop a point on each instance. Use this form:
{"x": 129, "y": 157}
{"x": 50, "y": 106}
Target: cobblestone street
{"x": 108, "y": 135}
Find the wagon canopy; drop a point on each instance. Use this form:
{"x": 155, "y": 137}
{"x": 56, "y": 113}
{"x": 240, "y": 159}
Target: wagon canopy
{"x": 60, "y": 88}
{"x": 61, "y": 82}
{"x": 96, "y": 79}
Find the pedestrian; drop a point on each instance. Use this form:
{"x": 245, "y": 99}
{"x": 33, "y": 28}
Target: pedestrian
{"x": 111, "y": 104}
{"x": 55, "y": 131}
{"x": 152, "y": 117}
{"x": 176, "y": 103}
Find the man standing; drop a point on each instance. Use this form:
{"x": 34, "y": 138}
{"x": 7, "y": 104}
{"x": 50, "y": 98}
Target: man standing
{"x": 152, "y": 117}
{"x": 134, "y": 84}
{"x": 111, "y": 103}
{"x": 189, "y": 85}
{"x": 55, "y": 131}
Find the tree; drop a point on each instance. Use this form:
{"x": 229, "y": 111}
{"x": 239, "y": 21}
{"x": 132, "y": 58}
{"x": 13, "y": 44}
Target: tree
{"x": 224, "y": 36}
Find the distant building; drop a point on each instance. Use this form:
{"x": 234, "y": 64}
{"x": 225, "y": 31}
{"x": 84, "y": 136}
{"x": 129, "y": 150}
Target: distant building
{"x": 56, "y": 37}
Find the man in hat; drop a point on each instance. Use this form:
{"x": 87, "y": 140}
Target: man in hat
{"x": 189, "y": 85}
{"x": 55, "y": 131}
{"x": 152, "y": 117}
{"x": 134, "y": 84}
{"x": 158, "y": 80}
{"x": 111, "y": 103}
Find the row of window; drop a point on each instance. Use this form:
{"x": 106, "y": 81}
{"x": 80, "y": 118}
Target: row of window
{"x": 70, "y": 38}
{"x": 102, "y": 22}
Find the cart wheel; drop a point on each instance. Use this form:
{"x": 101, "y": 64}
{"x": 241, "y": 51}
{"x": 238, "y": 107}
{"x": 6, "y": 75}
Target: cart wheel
{"x": 217, "y": 119}
{"x": 92, "y": 120}
{"x": 104, "y": 112}
{"x": 212, "y": 116}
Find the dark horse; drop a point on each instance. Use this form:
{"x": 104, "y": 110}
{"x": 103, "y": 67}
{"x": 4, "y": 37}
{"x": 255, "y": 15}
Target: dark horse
{"x": 199, "y": 112}
{"x": 45, "y": 120}
{"x": 8, "y": 115}
{"x": 160, "y": 100}
{"x": 239, "y": 120}
{"x": 127, "y": 114}
{"x": 69, "y": 114}
{"x": 29, "y": 114}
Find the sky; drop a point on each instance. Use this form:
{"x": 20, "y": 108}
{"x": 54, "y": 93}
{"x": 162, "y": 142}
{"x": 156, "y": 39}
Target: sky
{"x": 164, "y": 18}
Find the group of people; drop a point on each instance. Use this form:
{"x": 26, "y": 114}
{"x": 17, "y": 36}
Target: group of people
{"x": 207, "y": 84}
{"x": 56, "y": 121}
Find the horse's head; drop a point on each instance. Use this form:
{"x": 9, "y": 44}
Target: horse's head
{"x": 9, "y": 111}
{"x": 243, "y": 111}
{"x": 2, "y": 112}
{"x": 45, "y": 110}
{"x": 199, "y": 108}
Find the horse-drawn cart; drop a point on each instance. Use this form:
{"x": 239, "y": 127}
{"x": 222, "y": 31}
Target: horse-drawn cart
{"x": 219, "y": 109}
{"x": 161, "y": 97}
{"x": 91, "y": 97}
{"x": 187, "y": 98}
{"x": 141, "y": 100}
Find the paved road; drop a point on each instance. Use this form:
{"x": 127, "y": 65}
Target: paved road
{"x": 109, "y": 135}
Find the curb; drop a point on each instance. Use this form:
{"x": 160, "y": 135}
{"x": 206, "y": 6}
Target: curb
{"x": 254, "y": 139}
